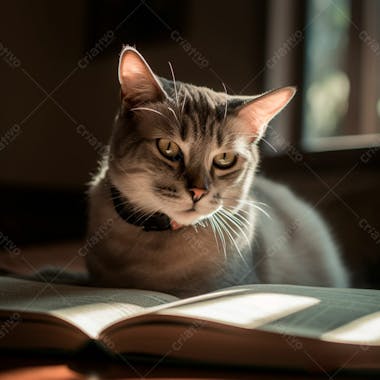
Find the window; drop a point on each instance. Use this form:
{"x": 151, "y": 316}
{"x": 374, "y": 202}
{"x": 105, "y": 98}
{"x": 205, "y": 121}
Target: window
{"x": 342, "y": 74}
{"x": 331, "y": 50}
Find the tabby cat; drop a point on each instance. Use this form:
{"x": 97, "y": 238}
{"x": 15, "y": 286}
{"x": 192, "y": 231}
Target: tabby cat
{"x": 177, "y": 201}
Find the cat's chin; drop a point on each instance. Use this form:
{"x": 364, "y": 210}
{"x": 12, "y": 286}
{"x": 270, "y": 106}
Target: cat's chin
{"x": 189, "y": 217}
{"x": 186, "y": 218}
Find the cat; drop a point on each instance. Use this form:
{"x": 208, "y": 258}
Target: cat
{"x": 185, "y": 210}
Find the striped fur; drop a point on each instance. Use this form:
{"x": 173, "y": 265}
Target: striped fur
{"x": 229, "y": 236}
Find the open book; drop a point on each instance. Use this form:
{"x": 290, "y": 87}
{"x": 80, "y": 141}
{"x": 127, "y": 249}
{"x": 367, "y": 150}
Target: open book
{"x": 263, "y": 325}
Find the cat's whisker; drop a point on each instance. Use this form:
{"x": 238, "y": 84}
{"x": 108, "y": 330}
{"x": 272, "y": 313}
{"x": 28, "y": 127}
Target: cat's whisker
{"x": 238, "y": 215}
{"x": 234, "y": 210}
{"x": 260, "y": 209}
{"x": 175, "y": 115}
{"x": 253, "y": 204}
{"x": 116, "y": 197}
{"x": 231, "y": 209}
{"x": 146, "y": 216}
{"x": 246, "y": 203}
{"x": 222, "y": 238}
{"x": 183, "y": 104}
{"x": 221, "y": 235}
{"x": 214, "y": 233}
{"x": 243, "y": 220}
{"x": 151, "y": 110}
{"x": 256, "y": 136}
{"x": 226, "y": 103}
{"x": 175, "y": 84}
{"x": 245, "y": 200}
{"x": 222, "y": 227}
{"x": 227, "y": 228}
{"x": 269, "y": 144}
{"x": 230, "y": 217}
{"x": 135, "y": 210}
{"x": 201, "y": 223}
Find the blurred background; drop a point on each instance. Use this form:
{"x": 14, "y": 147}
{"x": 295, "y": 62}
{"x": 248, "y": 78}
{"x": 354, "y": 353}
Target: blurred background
{"x": 59, "y": 94}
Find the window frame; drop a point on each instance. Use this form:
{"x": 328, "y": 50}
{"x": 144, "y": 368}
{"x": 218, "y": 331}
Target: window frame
{"x": 292, "y": 71}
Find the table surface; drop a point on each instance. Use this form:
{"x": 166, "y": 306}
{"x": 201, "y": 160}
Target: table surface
{"x": 94, "y": 366}
{"x": 37, "y": 367}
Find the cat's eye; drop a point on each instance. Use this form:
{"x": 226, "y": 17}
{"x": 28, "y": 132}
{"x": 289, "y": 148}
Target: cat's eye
{"x": 225, "y": 160}
{"x": 169, "y": 149}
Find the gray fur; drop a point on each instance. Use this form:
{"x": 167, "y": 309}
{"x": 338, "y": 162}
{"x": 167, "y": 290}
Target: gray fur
{"x": 265, "y": 233}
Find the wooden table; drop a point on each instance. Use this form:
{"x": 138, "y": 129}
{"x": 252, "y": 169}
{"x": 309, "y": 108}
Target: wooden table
{"x": 35, "y": 367}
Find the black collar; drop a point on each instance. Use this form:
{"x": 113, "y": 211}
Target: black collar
{"x": 155, "y": 222}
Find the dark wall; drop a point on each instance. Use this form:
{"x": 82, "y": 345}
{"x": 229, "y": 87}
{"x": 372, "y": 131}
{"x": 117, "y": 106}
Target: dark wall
{"x": 60, "y": 82}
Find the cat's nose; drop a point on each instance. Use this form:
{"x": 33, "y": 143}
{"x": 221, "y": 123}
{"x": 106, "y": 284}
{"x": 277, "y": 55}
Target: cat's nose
{"x": 197, "y": 193}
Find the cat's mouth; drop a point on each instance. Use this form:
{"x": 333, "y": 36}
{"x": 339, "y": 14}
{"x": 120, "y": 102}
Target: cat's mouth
{"x": 185, "y": 218}
{"x": 190, "y": 216}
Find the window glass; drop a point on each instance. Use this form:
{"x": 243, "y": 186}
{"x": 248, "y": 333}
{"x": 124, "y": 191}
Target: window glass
{"x": 327, "y": 83}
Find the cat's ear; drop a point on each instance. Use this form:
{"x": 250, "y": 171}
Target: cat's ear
{"x": 137, "y": 80}
{"x": 257, "y": 113}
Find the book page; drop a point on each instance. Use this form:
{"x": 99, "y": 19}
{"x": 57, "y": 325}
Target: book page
{"x": 90, "y": 309}
{"x": 339, "y": 315}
